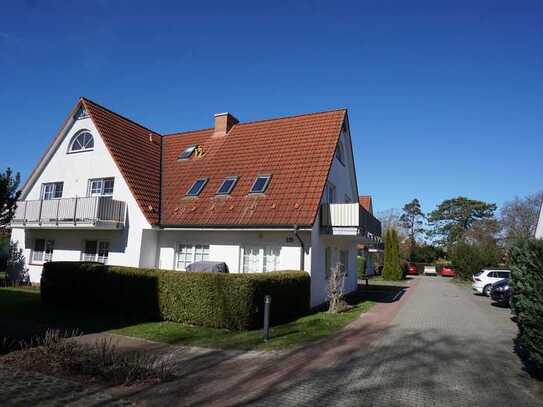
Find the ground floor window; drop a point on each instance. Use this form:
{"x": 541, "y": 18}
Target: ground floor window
{"x": 260, "y": 259}
{"x": 43, "y": 250}
{"x": 189, "y": 253}
{"x": 96, "y": 250}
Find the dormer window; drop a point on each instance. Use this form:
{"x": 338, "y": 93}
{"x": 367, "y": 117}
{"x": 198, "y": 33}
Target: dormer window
{"x": 197, "y": 187}
{"x": 187, "y": 152}
{"x": 261, "y": 184}
{"x": 227, "y": 186}
{"x": 82, "y": 141}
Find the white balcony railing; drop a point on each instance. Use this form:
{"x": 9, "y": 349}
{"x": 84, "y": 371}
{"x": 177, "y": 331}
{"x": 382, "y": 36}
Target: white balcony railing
{"x": 349, "y": 219}
{"x": 98, "y": 211}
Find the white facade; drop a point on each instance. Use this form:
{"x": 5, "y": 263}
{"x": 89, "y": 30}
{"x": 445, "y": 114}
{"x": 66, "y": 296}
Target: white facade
{"x": 539, "y": 229}
{"x": 139, "y": 244}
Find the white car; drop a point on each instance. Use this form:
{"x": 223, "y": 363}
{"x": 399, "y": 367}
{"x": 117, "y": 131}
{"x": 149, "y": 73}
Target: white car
{"x": 483, "y": 280}
{"x": 430, "y": 271}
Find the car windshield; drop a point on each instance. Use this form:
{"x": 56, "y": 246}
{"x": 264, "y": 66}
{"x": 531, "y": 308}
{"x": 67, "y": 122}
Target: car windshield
{"x": 478, "y": 273}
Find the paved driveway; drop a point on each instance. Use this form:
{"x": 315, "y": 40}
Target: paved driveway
{"x": 445, "y": 347}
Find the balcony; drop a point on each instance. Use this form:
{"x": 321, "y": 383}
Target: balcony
{"x": 66, "y": 213}
{"x": 350, "y": 219}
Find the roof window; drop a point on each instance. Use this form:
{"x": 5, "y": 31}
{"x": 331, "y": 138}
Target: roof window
{"x": 227, "y": 186}
{"x": 261, "y": 184}
{"x": 197, "y": 187}
{"x": 187, "y": 152}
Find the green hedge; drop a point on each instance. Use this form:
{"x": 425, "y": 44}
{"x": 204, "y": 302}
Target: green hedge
{"x": 527, "y": 282}
{"x": 233, "y": 301}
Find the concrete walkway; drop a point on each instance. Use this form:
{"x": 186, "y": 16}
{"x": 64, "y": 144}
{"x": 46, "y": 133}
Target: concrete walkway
{"x": 439, "y": 345}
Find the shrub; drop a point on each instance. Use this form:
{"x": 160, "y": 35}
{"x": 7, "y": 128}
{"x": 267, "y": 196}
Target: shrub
{"x": 392, "y": 268}
{"x": 217, "y": 300}
{"x": 468, "y": 259}
{"x": 527, "y": 282}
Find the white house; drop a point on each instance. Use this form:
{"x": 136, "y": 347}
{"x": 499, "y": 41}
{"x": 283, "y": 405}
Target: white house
{"x": 278, "y": 194}
{"x": 539, "y": 228}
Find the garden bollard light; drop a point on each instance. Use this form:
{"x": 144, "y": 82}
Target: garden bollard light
{"x": 267, "y": 302}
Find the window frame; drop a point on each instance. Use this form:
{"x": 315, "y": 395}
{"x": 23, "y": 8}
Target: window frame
{"x": 199, "y": 191}
{"x": 55, "y": 186}
{"x": 96, "y": 257}
{"x": 205, "y": 253}
{"x": 261, "y": 259}
{"x": 46, "y": 253}
{"x": 102, "y": 187}
{"x": 234, "y": 180}
{"x": 264, "y": 188}
{"x": 75, "y": 137}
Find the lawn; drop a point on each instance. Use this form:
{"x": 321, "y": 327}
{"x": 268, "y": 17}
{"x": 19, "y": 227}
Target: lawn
{"x": 22, "y": 315}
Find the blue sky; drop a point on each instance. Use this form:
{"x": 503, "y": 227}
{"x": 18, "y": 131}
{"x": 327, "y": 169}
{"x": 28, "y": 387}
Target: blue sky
{"x": 444, "y": 98}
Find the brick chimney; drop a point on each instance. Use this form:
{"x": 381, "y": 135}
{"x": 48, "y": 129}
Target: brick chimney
{"x": 223, "y": 123}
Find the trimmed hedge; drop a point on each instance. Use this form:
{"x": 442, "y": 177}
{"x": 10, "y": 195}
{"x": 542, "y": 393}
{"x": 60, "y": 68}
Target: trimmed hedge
{"x": 233, "y": 301}
{"x": 527, "y": 282}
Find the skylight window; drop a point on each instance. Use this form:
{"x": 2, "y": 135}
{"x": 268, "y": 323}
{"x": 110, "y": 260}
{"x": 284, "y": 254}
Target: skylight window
{"x": 261, "y": 183}
{"x": 197, "y": 187}
{"x": 227, "y": 186}
{"x": 187, "y": 152}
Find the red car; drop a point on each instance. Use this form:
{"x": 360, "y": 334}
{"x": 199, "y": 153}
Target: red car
{"x": 412, "y": 270}
{"x": 447, "y": 272}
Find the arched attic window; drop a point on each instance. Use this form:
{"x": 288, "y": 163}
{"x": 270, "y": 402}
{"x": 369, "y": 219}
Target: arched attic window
{"x": 82, "y": 141}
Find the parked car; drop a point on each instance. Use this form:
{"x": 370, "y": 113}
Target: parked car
{"x": 412, "y": 270}
{"x": 501, "y": 292}
{"x": 448, "y": 272}
{"x": 483, "y": 280}
{"x": 430, "y": 271}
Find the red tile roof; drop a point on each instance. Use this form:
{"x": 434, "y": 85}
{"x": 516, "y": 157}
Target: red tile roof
{"x": 366, "y": 203}
{"x": 136, "y": 151}
{"x": 297, "y": 151}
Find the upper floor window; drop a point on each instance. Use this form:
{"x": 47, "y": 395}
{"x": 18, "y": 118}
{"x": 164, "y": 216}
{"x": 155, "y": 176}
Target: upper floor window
{"x": 100, "y": 186}
{"x": 197, "y": 187}
{"x": 227, "y": 186}
{"x": 52, "y": 190}
{"x": 82, "y": 141}
{"x": 261, "y": 184}
{"x": 340, "y": 152}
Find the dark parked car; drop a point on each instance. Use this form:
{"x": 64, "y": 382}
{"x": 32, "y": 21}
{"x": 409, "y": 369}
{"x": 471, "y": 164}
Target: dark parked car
{"x": 501, "y": 292}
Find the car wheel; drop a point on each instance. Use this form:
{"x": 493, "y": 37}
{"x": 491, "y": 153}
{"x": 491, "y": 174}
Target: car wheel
{"x": 486, "y": 290}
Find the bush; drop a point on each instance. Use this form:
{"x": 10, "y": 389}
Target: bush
{"x": 468, "y": 259}
{"x": 360, "y": 267}
{"x": 527, "y": 282}
{"x": 392, "y": 269}
{"x": 216, "y": 300}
